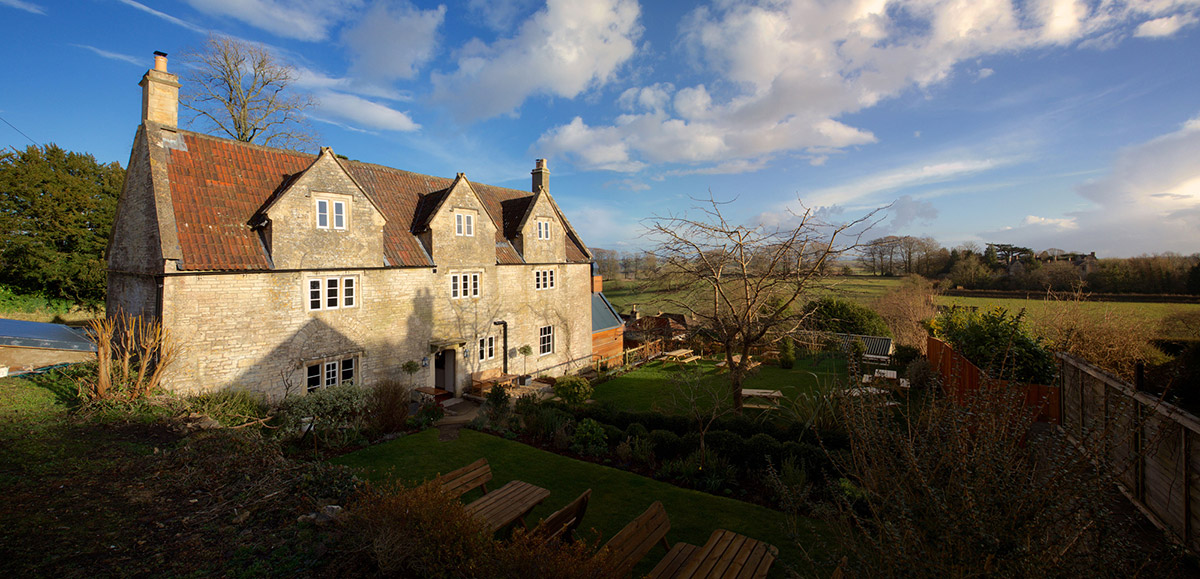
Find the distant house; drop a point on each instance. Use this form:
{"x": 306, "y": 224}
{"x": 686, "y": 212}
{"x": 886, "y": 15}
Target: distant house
{"x": 283, "y": 271}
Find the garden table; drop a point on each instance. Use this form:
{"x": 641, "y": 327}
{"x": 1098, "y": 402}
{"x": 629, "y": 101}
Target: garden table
{"x": 507, "y": 504}
{"x": 725, "y": 555}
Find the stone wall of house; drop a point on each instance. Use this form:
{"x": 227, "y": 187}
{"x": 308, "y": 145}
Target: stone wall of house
{"x": 553, "y": 250}
{"x": 134, "y": 246}
{"x": 133, "y": 294}
{"x": 254, "y": 330}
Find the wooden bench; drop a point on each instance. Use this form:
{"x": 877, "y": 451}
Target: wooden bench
{"x": 507, "y": 504}
{"x": 464, "y": 480}
{"x": 670, "y": 565}
{"x": 725, "y": 555}
{"x": 562, "y": 524}
{"x": 632, "y": 543}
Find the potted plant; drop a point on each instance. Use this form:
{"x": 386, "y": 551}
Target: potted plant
{"x": 525, "y": 351}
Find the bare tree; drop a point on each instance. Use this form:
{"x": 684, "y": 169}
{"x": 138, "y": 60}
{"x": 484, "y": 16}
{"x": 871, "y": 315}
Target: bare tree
{"x": 242, "y": 90}
{"x": 744, "y": 281}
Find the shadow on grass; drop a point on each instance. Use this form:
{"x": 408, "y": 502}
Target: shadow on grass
{"x": 62, "y": 382}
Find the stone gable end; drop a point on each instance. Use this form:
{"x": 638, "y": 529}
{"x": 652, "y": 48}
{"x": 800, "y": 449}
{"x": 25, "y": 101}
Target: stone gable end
{"x": 449, "y": 248}
{"x": 295, "y": 238}
{"x": 535, "y": 250}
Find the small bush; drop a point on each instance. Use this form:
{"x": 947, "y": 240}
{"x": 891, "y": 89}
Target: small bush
{"x": 544, "y": 422}
{"x": 920, "y": 373}
{"x": 333, "y": 415}
{"x": 704, "y": 471}
{"x": 636, "y": 430}
{"x": 642, "y": 452}
{"x": 787, "y": 354}
{"x": 496, "y": 406}
{"x": 762, "y": 449}
{"x": 726, "y": 443}
{"x": 612, "y": 433}
{"x": 426, "y": 415}
{"x": 525, "y": 404}
{"x": 573, "y": 390}
{"x": 388, "y": 406}
{"x": 998, "y": 343}
{"x": 667, "y": 444}
{"x": 229, "y": 407}
{"x": 589, "y": 439}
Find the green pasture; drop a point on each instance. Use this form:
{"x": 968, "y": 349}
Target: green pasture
{"x": 1037, "y": 309}
{"x": 651, "y": 387}
{"x": 617, "y": 496}
{"x": 651, "y": 297}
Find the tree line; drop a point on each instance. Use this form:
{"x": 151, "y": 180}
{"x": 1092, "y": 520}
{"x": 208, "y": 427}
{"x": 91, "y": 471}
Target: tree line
{"x": 1012, "y": 267}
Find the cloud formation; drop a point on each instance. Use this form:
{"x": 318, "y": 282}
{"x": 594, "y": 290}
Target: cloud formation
{"x": 22, "y": 5}
{"x": 392, "y": 42}
{"x": 112, "y": 55}
{"x": 364, "y": 113}
{"x": 783, "y": 72}
{"x": 1149, "y": 201}
{"x": 308, "y": 20}
{"x": 562, "y": 50}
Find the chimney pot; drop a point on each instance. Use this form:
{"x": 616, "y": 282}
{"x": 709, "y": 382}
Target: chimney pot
{"x": 160, "y": 61}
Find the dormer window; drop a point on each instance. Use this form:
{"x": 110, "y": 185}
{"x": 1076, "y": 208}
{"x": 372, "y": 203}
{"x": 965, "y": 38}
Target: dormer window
{"x": 543, "y": 229}
{"x": 331, "y": 213}
{"x": 464, "y": 224}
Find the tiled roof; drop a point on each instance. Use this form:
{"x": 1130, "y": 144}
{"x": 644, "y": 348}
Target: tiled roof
{"x": 218, "y": 186}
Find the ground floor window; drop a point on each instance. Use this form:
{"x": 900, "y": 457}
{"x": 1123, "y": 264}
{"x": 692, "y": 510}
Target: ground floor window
{"x": 545, "y": 340}
{"x": 487, "y": 348}
{"x": 331, "y": 373}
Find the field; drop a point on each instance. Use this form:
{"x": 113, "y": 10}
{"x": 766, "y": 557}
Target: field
{"x": 651, "y": 298}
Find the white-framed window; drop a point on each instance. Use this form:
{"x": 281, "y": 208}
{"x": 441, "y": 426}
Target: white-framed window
{"x": 464, "y": 224}
{"x": 487, "y": 348}
{"x": 543, "y": 229}
{"x": 330, "y": 373}
{"x": 331, "y": 213}
{"x": 543, "y": 279}
{"x": 545, "y": 340}
{"x": 464, "y": 285}
{"x": 331, "y": 293}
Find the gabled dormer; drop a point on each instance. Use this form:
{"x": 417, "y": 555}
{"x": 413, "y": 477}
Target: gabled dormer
{"x": 455, "y": 226}
{"x": 321, "y": 218}
{"x": 540, "y": 235}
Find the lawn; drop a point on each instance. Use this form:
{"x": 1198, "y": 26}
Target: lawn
{"x": 650, "y": 298}
{"x": 617, "y": 496}
{"x": 650, "y": 386}
{"x": 1037, "y": 308}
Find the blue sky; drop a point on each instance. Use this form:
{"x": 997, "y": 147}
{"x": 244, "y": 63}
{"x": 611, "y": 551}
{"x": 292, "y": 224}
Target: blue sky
{"x": 1047, "y": 123}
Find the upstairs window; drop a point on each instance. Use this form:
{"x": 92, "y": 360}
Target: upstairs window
{"x": 331, "y": 293}
{"x": 543, "y": 279}
{"x": 543, "y": 229}
{"x": 331, "y": 213}
{"x": 464, "y": 285}
{"x": 464, "y": 224}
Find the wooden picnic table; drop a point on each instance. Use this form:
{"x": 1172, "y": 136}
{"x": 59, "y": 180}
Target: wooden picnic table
{"x": 507, "y": 504}
{"x": 758, "y": 393}
{"x": 726, "y": 555}
{"x": 677, "y": 354}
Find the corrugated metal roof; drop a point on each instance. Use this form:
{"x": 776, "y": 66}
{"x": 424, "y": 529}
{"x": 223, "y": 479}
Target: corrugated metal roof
{"x": 25, "y": 334}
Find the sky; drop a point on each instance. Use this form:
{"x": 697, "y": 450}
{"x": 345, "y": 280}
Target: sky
{"x": 1063, "y": 124}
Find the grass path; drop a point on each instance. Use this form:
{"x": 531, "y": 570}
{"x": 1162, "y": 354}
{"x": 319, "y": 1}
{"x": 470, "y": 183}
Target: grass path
{"x": 617, "y": 496}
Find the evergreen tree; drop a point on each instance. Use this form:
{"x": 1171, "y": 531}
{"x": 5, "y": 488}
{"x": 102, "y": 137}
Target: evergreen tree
{"x": 56, "y": 214}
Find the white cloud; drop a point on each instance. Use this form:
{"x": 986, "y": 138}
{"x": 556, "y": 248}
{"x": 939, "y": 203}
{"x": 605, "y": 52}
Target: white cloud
{"x": 1167, "y": 26}
{"x": 499, "y": 14}
{"x": 870, "y": 188}
{"x": 780, "y": 75}
{"x": 391, "y": 43}
{"x": 163, "y": 15}
{"x": 308, "y": 20}
{"x": 114, "y": 55}
{"x": 985, "y": 72}
{"x": 21, "y": 5}
{"x": 562, "y": 50}
{"x": 1061, "y": 223}
{"x": 364, "y": 113}
{"x": 1149, "y": 202}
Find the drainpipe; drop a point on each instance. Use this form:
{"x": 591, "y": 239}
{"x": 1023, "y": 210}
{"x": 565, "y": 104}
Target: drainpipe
{"x": 504, "y": 325}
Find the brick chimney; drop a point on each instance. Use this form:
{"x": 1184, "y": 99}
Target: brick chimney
{"x": 541, "y": 176}
{"x": 160, "y": 93}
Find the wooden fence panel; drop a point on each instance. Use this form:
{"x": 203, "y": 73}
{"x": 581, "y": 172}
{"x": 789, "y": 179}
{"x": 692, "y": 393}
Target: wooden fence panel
{"x": 1164, "y": 471}
{"x": 960, "y": 377}
{"x": 1124, "y": 450}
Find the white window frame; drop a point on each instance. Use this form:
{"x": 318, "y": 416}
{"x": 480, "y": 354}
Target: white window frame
{"x": 543, "y": 230}
{"x": 464, "y": 224}
{"x": 487, "y": 348}
{"x": 332, "y": 213}
{"x": 545, "y": 340}
{"x": 325, "y": 373}
{"x": 543, "y": 279}
{"x": 332, "y": 292}
{"x": 465, "y": 285}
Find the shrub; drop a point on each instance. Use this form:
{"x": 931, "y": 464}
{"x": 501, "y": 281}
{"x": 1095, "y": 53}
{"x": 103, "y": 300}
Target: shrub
{"x": 830, "y": 314}
{"x": 726, "y": 443}
{"x": 716, "y": 474}
{"x": 589, "y": 439}
{"x": 906, "y": 309}
{"x": 666, "y": 444}
{"x": 642, "y": 452}
{"x": 333, "y": 414}
{"x": 998, "y": 343}
{"x": 636, "y": 430}
{"x": 573, "y": 390}
{"x": 544, "y": 422}
{"x": 611, "y": 432}
{"x": 762, "y": 449}
{"x": 426, "y": 415}
{"x": 1114, "y": 339}
{"x": 905, "y": 355}
{"x": 496, "y": 406}
{"x": 388, "y": 406}
{"x": 132, "y": 354}
{"x": 525, "y": 404}
{"x": 787, "y": 354}
{"x": 920, "y": 373}
{"x": 231, "y": 407}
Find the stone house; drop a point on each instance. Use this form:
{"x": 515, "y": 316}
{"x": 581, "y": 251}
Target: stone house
{"x": 282, "y": 271}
